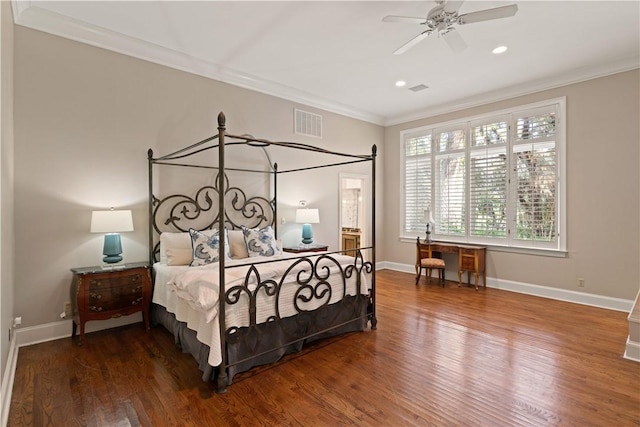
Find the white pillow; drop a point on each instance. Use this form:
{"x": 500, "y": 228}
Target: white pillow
{"x": 175, "y": 248}
{"x": 260, "y": 242}
{"x": 237, "y": 245}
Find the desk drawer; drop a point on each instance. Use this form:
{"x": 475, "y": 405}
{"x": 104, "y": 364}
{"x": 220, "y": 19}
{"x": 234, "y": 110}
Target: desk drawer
{"x": 468, "y": 251}
{"x": 468, "y": 263}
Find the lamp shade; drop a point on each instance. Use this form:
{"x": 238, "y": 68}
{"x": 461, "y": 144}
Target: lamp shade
{"x": 307, "y": 216}
{"x": 427, "y": 216}
{"x": 111, "y": 221}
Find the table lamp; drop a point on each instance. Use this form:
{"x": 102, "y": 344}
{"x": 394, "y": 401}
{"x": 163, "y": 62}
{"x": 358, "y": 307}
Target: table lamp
{"x": 111, "y": 222}
{"x": 306, "y": 217}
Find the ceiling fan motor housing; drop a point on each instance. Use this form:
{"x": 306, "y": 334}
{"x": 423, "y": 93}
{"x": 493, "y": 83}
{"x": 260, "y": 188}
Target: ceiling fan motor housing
{"x": 439, "y": 19}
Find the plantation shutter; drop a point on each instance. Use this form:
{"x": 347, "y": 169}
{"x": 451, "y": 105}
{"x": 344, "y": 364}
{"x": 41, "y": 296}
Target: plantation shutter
{"x": 534, "y": 179}
{"x": 450, "y": 209}
{"x": 488, "y": 180}
{"x": 417, "y": 182}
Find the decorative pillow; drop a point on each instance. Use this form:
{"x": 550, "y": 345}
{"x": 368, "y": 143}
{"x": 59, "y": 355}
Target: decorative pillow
{"x": 179, "y": 256}
{"x": 175, "y": 248}
{"x": 260, "y": 242}
{"x": 205, "y": 247}
{"x": 237, "y": 245}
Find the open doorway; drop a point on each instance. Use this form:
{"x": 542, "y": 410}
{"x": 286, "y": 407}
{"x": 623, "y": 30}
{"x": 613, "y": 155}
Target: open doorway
{"x": 353, "y": 211}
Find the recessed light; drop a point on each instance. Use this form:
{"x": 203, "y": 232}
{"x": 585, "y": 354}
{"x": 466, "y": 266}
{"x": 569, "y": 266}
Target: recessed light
{"x": 400, "y": 83}
{"x": 499, "y": 50}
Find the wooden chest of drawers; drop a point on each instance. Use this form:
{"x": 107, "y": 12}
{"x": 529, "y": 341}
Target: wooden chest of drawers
{"x": 98, "y": 294}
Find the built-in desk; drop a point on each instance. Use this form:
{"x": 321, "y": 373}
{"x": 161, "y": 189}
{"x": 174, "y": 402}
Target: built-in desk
{"x": 471, "y": 258}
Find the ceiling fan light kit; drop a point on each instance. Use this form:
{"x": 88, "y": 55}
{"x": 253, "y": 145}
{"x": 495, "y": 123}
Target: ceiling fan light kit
{"x": 442, "y": 20}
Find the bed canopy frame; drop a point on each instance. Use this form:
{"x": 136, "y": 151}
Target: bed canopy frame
{"x": 178, "y": 212}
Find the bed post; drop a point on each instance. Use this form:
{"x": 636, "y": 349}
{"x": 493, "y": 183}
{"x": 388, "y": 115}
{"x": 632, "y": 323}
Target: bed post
{"x": 374, "y": 320}
{"x": 275, "y": 199}
{"x": 222, "y": 373}
{"x": 150, "y": 160}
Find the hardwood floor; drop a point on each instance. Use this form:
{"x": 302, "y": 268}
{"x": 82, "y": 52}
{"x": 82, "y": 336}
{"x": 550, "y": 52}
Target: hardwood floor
{"x": 440, "y": 356}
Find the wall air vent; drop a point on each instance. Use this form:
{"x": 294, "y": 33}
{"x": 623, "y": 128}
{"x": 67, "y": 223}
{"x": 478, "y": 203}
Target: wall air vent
{"x": 308, "y": 124}
{"x": 418, "y": 88}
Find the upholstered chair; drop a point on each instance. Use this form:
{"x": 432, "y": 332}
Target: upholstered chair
{"x": 425, "y": 259}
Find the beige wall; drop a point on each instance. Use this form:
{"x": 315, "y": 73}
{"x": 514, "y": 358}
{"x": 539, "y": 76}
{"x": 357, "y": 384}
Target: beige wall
{"x": 603, "y": 219}
{"x": 84, "y": 119}
{"x": 6, "y": 180}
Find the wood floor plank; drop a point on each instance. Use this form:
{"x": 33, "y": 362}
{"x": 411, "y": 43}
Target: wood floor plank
{"x": 440, "y": 356}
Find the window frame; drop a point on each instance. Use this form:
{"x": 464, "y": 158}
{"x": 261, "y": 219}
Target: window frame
{"x": 508, "y": 244}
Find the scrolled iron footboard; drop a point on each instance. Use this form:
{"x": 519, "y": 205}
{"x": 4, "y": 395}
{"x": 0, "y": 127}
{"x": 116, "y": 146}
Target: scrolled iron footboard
{"x": 321, "y": 282}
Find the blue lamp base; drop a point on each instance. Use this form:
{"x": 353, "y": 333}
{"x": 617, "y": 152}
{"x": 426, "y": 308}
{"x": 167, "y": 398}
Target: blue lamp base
{"x": 307, "y": 234}
{"x": 112, "y": 249}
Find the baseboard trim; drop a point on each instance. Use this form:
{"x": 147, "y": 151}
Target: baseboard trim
{"x": 62, "y": 329}
{"x": 7, "y": 381}
{"x": 632, "y": 351}
{"x": 617, "y": 304}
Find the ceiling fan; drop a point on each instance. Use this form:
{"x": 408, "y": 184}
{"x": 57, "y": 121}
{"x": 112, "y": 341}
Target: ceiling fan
{"x": 442, "y": 19}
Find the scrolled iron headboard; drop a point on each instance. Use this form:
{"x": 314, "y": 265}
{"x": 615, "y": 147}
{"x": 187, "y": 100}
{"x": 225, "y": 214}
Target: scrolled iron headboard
{"x": 180, "y": 212}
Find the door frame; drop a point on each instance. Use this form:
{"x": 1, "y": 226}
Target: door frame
{"x": 363, "y": 206}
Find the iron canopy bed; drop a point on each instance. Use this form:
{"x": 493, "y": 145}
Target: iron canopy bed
{"x": 248, "y": 303}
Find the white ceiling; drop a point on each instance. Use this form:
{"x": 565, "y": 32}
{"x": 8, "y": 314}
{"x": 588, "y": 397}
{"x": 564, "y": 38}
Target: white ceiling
{"x": 338, "y": 55}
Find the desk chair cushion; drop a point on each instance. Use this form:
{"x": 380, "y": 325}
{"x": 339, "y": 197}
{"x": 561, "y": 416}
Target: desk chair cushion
{"x": 431, "y": 263}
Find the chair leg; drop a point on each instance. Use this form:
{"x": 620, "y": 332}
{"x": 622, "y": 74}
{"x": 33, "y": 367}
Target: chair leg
{"x": 418, "y": 275}
{"x": 441, "y": 273}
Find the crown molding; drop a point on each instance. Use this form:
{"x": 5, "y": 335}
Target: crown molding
{"x": 37, "y": 18}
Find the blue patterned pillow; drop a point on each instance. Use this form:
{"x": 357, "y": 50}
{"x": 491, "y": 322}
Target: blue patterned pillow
{"x": 260, "y": 242}
{"x": 205, "y": 248}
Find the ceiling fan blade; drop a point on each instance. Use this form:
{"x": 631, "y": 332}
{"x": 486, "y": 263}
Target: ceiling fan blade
{"x": 488, "y": 14}
{"x": 454, "y": 40}
{"x": 414, "y": 41}
{"x": 410, "y": 19}
{"x": 452, "y": 6}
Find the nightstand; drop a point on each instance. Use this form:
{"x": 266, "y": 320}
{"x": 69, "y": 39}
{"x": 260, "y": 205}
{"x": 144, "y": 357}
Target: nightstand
{"x": 100, "y": 294}
{"x": 306, "y": 248}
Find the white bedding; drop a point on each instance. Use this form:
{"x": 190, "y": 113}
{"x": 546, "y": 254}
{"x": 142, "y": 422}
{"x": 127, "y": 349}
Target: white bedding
{"x": 191, "y": 293}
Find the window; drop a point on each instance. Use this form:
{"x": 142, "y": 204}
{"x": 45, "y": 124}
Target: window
{"x": 493, "y": 180}
{"x": 450, "y": 188}
{"x": 417, "y": 178}
{"x": 488, "y": 179}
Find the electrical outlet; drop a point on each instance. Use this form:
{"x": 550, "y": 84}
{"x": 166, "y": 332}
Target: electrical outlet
{"x": 67, "y": 308}
{"x": 581, "y": 283}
